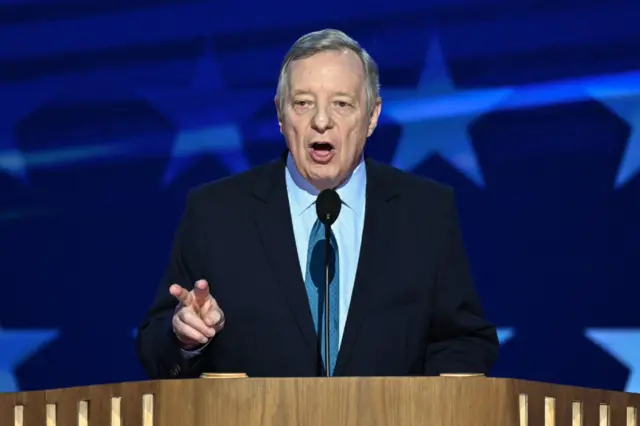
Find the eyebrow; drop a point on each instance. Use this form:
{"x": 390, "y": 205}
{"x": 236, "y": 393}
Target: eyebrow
{"x": 349, "y": 95}
{"x": 306, "y": 92}
{"x": 299, "y": 92}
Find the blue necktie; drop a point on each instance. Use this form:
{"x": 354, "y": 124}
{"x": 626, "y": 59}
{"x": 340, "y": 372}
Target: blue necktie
{"x": 315, "y": 282}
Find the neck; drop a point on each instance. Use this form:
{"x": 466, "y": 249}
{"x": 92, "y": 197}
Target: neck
{"x": 323, "y": 184}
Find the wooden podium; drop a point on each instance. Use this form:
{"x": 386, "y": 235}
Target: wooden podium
{"x": 406, "y": 401}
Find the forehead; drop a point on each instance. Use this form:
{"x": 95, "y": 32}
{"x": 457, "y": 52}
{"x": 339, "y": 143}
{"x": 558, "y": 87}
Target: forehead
{"x": 329, "y": 71}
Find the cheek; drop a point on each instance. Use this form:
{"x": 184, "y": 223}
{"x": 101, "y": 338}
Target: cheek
{"x": 355, "y": 137}
{"x": 292, "y": 134}
{"x": 294, "y": 128}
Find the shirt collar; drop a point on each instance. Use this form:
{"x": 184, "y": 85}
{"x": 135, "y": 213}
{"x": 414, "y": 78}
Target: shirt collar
{"x": 302, "y": 194}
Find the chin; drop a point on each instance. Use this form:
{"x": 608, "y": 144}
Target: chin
{"x": 324, "y": 176}
{"x": 322, "y": 171}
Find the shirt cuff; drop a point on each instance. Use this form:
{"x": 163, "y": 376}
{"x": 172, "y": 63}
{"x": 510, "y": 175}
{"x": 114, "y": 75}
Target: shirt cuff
{"x": 192, "y": 353}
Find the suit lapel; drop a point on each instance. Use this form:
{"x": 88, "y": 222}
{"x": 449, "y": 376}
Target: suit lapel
{"x": 273, "y": 220}
{"x": 378, "y": 229}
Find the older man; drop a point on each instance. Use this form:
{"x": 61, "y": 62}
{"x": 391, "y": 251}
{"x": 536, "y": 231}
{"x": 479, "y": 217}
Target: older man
{"x": 240, "y": 294}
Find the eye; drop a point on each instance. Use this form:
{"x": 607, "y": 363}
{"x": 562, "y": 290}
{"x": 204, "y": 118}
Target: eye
{"x": 301, "y": 103}
{"x": 342, "y": 104}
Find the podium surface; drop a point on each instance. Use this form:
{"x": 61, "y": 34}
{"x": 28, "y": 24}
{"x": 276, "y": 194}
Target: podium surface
{"x": 375, "y": 401}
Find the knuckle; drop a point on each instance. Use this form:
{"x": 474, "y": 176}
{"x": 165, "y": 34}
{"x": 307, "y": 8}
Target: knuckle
{"x": 175, "y": 322}
{"x": 179, "y": 330}
{"x": 186, "y": 315}
{"x": 181, "y": 315}
{"x": 192, "y": 320}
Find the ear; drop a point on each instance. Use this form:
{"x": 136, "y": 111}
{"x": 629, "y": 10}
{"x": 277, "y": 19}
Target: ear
{"x": 279, "y": 112}
{"x": 373, "y": 118}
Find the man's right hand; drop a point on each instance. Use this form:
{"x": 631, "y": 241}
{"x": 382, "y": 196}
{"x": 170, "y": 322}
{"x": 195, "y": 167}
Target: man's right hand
{"x": 197, "y": 317}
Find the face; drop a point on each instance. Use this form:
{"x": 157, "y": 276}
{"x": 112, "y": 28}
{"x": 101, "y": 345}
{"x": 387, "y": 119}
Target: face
{"x": 325, "y": 118}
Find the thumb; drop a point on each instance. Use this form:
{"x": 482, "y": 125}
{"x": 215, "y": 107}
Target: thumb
{"x": 182, "y": 294}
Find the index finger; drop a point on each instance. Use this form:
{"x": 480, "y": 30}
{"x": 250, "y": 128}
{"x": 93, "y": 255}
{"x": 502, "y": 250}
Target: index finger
{"x": 201, "y": 292}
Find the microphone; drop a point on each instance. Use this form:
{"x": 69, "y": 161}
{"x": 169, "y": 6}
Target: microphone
{"x": 328, "y": 206}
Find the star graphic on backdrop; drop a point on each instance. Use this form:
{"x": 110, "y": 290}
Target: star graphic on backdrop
{"x": 17, "y": 346}
{"x": 18, "y": 103}
{"x": 207, "y": 117}
{"x": 624, "y": 101}
{"x": 505, "y": 334}
{"x": 443, "y": 127}
{"x": 623, "y": 344}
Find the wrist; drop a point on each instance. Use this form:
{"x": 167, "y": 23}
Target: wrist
{"x": 188, "y": 345}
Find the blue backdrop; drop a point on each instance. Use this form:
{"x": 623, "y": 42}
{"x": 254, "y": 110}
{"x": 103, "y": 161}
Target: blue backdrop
{"x": 110, "y": 112}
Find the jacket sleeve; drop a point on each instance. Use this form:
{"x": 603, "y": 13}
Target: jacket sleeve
{"x": 461, "y": 339}
{"x": 158, "y": 348}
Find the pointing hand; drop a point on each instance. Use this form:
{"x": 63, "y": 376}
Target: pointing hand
{"x": 197, "y": 318}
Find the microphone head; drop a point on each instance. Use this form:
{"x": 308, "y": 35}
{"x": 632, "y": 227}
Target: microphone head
{"x": 328, "y": 206}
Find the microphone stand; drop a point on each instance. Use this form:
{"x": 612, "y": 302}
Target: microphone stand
{"x": 328, "y": 208}
{"x": 327, "y": 254}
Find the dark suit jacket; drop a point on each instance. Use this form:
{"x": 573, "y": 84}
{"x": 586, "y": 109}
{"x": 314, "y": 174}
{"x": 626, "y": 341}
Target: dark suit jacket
{"x": 414, "y": 309}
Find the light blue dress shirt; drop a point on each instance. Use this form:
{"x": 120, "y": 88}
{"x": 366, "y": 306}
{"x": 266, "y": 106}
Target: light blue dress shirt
{"x": 347, "y": 228}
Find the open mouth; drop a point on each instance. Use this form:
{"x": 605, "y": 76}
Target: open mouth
{"x": 322, "y": 146}
{"x": 321, "y": 152}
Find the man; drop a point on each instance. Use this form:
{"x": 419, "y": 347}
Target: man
{"x": 240, "y": 293}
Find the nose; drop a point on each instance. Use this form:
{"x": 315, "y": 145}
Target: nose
{"x": 321, "y": 121}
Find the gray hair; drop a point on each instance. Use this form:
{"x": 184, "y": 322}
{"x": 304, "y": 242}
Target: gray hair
{"x": 329, "y": 40}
